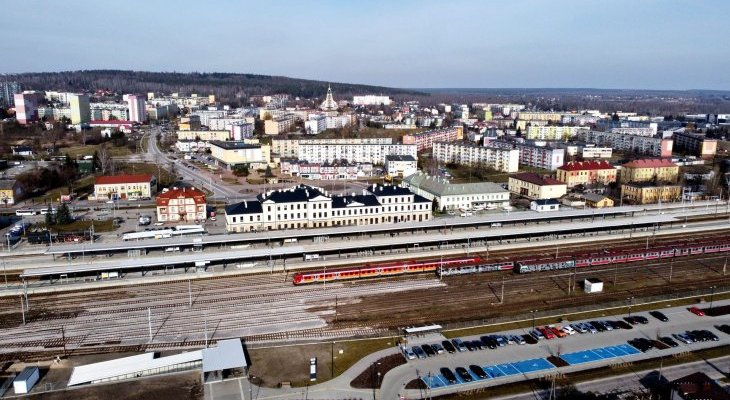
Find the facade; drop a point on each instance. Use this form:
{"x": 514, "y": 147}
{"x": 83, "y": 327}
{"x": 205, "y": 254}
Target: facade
{"x": 124, "y": 187}
{"x": 315, "y": 124}
{"x": 234, "y": 153}
{"x": 188, "y": 146}
{"x": 638, "y": 131}
{"x": 281, "y": 124}
{"x": 326, "y": 171}
{"x": 552, "y": 132}
{"x": 652, "y": 146}
{"x": 647, "y": 193}
{"x": 647, "y": 170}
{"x": 540, "y": 116}
{"x": 353, "y": 153}
{"x": 425, "y": 140}
{"x": 10, "y": 192}
{"x": 205, "y": 136}
{"x": 242, "y": 130}
{"x": 289, "y": 148}
{"x": 225, "y": 123}
{"x": 8, "y": 90}
{"x": 137, "y": 110}
{"x": 400, "y": 166}
{"x": 80, "y": 108}
{"x": 587, "y": 173}
{"x": 306, "y": 206}
{"x": 696, "y": 144}
{"x": 108, "y": 111}
{"x": 453, "y": 196}
{"x": 544, "y": 205}
{"x": 26, "y": 107}
{"x": 189, "y": 123}
{"x": 371, "y": 100}
{"x": 466, "y": 153}
{"x": 534, "y": 186}
{"x": 186, "y": 204}
{"x": 597, "y": 200}
{"x": 596, "y": 152}
{"x": 545, "y": 157}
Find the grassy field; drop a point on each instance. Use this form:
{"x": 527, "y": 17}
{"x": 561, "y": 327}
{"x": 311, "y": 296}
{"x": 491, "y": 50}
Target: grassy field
{"x": 266, "y": 363}
{"x": 88, "y": 150}
{"x": 164, "y": 179}
{"x": 82, "y": 186}
{"x": 77, "y": 226}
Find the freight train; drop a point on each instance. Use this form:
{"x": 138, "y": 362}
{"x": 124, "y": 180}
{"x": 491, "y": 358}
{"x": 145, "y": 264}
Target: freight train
{"x": 474, "y": 265}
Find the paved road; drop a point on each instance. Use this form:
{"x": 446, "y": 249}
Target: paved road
{"x": 395, "y": 381}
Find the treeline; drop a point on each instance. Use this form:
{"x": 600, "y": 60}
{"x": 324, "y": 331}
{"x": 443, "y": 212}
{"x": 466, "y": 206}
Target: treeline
{"x": 227, "y": 87}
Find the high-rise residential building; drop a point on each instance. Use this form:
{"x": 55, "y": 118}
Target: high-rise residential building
{"x": 26, "y": 106}
{"x": 653, "y": 146}
{"x": 137, "y": 111}
{"x": 8, "y": 90}
{"x": 465, "y": 153}
{"x": 425, "y": 140}
{"x": 80, "y": 108}
{"x": 552, "y": 132}
{"x": 371, "y": 100}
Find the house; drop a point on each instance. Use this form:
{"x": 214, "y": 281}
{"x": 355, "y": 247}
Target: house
{"x": 648, "y": 193}
{"x": 697, "y": 386}
{"x": 186, "y": 204}
{"x": 597, "y": 200}
{"x": 400, "y": 165}
{"x": 534, "y": 186}
{"x": 10, "y": 191}
{"x": 646, "y": 170}
{"x": 124, "y": 186}
{"x": 454, "y": 196}
{"x": 586, "y": 173}
{"x": 542, "y": 205}
{"x": 24, "y": 151}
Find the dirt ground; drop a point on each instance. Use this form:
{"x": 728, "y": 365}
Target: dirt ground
{"x": 274, "y": 365}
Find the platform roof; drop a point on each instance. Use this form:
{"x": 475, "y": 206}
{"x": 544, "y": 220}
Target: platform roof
{"x": 228, "y": 354}
{"x": 128, "y": 365}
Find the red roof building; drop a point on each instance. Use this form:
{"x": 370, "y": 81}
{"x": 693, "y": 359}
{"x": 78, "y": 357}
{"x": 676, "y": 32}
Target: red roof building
{"x": 652, "y": 169}
{"x": 124, "y": 186}
{"x": 181, "y": 204}
{"x": 587, "y": 173}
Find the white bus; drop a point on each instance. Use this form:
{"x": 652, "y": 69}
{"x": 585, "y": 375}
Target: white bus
{"x": 24, "y": 212}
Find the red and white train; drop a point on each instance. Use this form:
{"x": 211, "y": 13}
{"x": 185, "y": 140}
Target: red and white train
{"x": 475, "y": 264}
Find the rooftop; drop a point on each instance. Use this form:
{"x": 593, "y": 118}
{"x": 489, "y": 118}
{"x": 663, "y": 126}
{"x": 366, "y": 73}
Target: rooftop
{"x": 545, "y": 202}
{"x": 397, "y": 157}
{"x": 536, "y": 179}
{"x": 177, "y": 192}
{"x": 233, "y": 144}
{"x": 245, "y": 207}
{"x": 441, "y": 187}
{"x": 586, "y": 165}
{"x": 119, "y": 179}
{"x": 228, "y": 354}
{"x": 388, "y": 190}
{"x": 650, "y": 163}
{"x": 594, "y": 197}
{"x": 7, "y": 184}
{"x": 365, "y": 200}
{"x": 296, "y": 194}
{"x": 129, "y": 365}
{"x": 698, "y": 386}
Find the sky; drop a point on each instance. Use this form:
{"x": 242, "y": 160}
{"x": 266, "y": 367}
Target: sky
{"x": 617, "y": 44}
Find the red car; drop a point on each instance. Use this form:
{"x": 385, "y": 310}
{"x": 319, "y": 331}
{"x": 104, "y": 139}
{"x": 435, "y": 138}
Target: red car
{"x": 697, "y": 311}
{"x": 547, "y": 332}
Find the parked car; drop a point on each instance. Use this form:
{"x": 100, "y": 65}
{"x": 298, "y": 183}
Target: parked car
{"x": 697, "y": 311}
{"x": 409, "y": 353}
{"x": 477, "y": 344}
{"x": 464, "y": 374}
{"x": 668, "y": 341}
{"x": 419, "y": 352}
{"x": 448, "y": 346}
{"x": 598, "y": 326}
{"x": 537, "y": 334}
{"x": 459, "y": 345}
{"x": 438, "y": 348}
{"x": 430, "y": 352}
{"x": 579, "y": 328}
{"x": 478, "y": 371}
{"x": 569, "y": 330}
{"x": 489, "y": 342}
{"x": 659, "y": 315}
{"x": 449, "y": 375}
{"x": 518, "y": 339}
{"x": 683, "y": 338}
{"x": 725, "y": 328}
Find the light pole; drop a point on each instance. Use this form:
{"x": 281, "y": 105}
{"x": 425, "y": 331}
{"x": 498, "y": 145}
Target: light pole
{"x": 630, "y": 300}
{"x": 712, "y": 295}
{"x": 533, "y": 318}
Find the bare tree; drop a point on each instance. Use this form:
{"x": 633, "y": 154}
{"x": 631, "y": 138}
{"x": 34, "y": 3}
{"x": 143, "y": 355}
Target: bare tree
{"x": 105, "y": 159}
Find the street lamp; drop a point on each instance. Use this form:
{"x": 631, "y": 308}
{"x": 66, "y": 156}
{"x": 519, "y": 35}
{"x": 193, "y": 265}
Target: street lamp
{"x": 533, "y": 318}
{"x": 630, "y": 300}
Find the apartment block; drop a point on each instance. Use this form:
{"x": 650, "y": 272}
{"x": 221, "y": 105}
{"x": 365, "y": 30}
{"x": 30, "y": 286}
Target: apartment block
{"x": 651, "y": 146}
{"x": 467, "y": 153}
{"x": 647, "y": 170}
{"x": 425, "y": 140}
{"x": 695, "y": 143}
{"x": 587, "y": 173}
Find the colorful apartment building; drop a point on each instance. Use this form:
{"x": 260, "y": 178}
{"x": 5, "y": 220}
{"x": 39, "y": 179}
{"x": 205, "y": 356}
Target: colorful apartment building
{"x": 586, "y": 173}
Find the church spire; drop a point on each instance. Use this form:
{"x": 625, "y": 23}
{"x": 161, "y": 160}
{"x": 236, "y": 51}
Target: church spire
{"x": 329, "y": 103}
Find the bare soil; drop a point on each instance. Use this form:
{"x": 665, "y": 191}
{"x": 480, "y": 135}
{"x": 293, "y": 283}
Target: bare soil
{"x": 373, "y": 377}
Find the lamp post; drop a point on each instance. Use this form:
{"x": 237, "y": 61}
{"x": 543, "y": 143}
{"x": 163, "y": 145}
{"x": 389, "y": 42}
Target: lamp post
{"x": 712, "y": 295}
{"x": 630, "y": 300}
{"x": 533, "y": 318}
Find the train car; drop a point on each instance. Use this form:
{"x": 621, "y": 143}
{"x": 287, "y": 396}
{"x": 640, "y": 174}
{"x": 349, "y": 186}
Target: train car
{"x": 475, "y": 269}
{"x": 548, "y": 264}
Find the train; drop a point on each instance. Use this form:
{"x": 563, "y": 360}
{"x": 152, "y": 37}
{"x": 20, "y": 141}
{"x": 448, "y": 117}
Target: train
{"x": 179, "y": 230}
{"x": 475, "y": 264}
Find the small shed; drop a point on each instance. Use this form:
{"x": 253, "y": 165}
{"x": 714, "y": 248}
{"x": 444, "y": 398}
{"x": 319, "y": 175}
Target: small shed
{"x": 25, "y": 381}
{"x": 543, "y": 205}
{"x": 593, "y": 285}
{"x": 227, "y": 359}
{"x": 597, "y": 200}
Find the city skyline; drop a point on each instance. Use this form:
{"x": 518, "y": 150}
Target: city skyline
{"x": 531, "y": 44}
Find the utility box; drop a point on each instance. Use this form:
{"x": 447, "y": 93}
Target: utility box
{"x": 593, "y": 285}
{"x": 25, "y": 381}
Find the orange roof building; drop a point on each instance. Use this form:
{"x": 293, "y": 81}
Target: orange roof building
{"x": 186, "y": 204}
{"x": 586, "y": 173}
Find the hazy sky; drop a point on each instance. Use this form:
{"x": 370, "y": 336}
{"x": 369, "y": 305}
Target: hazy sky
{"x": 644, "y": 44}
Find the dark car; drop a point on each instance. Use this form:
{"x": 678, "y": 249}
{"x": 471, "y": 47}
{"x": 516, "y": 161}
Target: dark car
{"x": 723, "y": 328}
{"x": 659, "y": 315}
{"x": 641, "y": 319}
{"x": 631, "y": 320}
{"x": 438, "y": 348}
{"x": 464, "y": 374}
{"x": 668, "y": 341}
{"x": 614, "y": 324}
{"x": 477, "y": 345}
{"x": 450, "y": 377}
{"x": 478, "y": 371}
{"x": 642, "y": 344}
{"x": 448, "y": 346}
{"x": 469, "y": 345}
{"x": 599, "y": 326}
{"x": 489, "y": 342}
{"x": 624, "y": 325}
{"x": 419, "y": 352}
{"x": 428, "y": 350}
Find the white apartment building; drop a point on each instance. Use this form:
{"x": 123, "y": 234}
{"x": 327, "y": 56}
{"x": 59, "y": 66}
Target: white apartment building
{"x": 289, "y": 148}
{"x": 466, "y": 153}
{"x": 353, "y": 153}
{"x": 137, "y": 109}
{"x": 205, "y": 136}
{"x": 371, "y": 100}
{"x": 552, "y": 132}
{"x": 652, "y": 146}
{"x": 326, "y": 171}
{"x": 109, "y": 111}
{"x": 206, "y": 116}
{"x": 451, "y": 196}
{"x": 241, "y": 130}
{"x": 315, "y": 124}
{"x": 281, "y": 124}
{"x": 306, "y": 206}
{"x": 400, "y": 166}
{"x": 545, "y": 157}
{"x": 649, "y": 131}
{"x": 596, "y": 152}
{"x": 225, "y": 123}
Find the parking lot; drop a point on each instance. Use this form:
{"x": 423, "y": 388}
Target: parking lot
{"x": 479, "y": 360}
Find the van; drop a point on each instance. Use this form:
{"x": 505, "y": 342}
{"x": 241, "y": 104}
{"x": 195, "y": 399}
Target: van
{"x": 496, "y": 225}
{"x": 24, "y": 211}
{"x": 290, "y": 240}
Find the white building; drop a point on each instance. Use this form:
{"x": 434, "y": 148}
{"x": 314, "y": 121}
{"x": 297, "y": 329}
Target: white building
{"x": 400, "y": 166}
{"x": 137, "y": 109}
{"x": 652, "y": 146}
{"x": 326, "y": 171}
{"x": 289, "y": 148}
{"x": 552, "y": 132}
{"x": 453, "y": 196}
{"x": 371, "y": 100}
{"x": 545, "y": 157}
{"x": 306, "y": 206}
{"x": 109, "y": 111}
{"x": 595, "y": 152}
{"x": 241, "y": 130}
{"x": 315, "y": 124}
{"x": 353, "y": 153}
{"x": 542, "y": 205}
{"x": 465, "y": 153}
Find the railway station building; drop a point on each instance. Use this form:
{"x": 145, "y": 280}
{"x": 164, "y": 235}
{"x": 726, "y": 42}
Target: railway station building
{"x": 648, "y": 193}
{"x": 450, "y": 196}
{"x": 305, "y": 206}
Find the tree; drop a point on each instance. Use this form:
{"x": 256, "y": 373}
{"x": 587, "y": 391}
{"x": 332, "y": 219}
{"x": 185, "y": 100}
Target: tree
{"x": 615, "y": 117}
{"x": 63, "y": 215}
{"x": 49, "y": 217}
{"x": 105, "y": 161}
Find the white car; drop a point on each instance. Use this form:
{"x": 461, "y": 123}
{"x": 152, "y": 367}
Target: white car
{"x": 110, "y": 202}
{"x": 569, "y": 330}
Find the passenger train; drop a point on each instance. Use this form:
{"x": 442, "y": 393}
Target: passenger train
{"x": 473, "y": 265}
